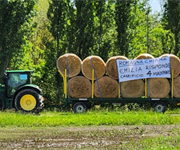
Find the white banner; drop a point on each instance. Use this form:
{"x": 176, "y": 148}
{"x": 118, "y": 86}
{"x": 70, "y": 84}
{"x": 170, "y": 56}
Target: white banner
{"x": 143, "y": 68}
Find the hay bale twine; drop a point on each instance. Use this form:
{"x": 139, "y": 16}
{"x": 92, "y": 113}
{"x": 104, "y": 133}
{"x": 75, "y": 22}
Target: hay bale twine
{"x": 176, "y": 88}
{"x": 159, "y": 87}
{"x": 144, "y": 56}
{"x": 98, "y": 64}
{"x": 108, "y": 87}
{"x": 80, "y": 87}
{"x": 111, "y": 66}
{"x": 74, "y": 64}
{"x": 132, "y": 89}
{"x": 175, "y": 63}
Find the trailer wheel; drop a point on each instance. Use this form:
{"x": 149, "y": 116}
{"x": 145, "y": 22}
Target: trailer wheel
{"x": 28, "y": 100}
{"x": 79, "y": 107}
{"x": 159, "y": 107}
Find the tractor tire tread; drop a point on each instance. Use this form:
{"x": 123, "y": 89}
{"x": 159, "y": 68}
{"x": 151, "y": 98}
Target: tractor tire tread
{"x": 38, "y": 97}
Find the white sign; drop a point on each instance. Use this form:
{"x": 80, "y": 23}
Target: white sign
{"x": 143, "y": 68}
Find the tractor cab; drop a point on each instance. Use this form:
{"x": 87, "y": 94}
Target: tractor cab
{"x": 15, "y": 79}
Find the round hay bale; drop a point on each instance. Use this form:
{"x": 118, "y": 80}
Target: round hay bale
{"x": 159, "y": 87}
{"x": 176, "y": 88}
{"x": 132, "y": 89}
{"x": 144, "y": 56}
{"x": 98, "y": 64}
{"x": 74, "y": 64}
{"x": 111, "y": 66}
{"x": 174, "y": 63}
{"x": 80, "y": 87}
{"x": 108, "y": 87}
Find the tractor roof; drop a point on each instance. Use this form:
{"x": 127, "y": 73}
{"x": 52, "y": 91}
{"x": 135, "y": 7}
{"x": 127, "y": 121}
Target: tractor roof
{"x": 19, "y": 71}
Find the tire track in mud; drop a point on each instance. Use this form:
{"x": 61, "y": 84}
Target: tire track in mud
{"x": 81, "y": 137}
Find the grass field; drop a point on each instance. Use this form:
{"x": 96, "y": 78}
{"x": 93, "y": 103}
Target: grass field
{"x": 96, "y": 129}
{"x": 95, "y": 117}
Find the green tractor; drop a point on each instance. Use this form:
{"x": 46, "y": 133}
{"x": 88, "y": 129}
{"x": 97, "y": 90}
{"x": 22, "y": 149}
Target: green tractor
{"x": 17, "y": 92}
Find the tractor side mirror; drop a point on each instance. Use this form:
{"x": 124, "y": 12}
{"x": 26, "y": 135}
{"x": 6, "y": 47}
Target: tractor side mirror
{"x": 5, "y": 76}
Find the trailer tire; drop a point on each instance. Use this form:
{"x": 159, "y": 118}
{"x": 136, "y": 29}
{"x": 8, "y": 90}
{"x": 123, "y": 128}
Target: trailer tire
{"x": 159, "y": 107}
{"x": 29, "y": 100}
{"x": 79, "y": 107}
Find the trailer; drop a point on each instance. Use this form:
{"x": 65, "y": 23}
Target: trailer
{"x": 80, "y": 105}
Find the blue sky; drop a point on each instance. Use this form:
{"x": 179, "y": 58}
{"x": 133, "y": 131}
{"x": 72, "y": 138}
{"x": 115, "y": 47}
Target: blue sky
{"x": 155, "y": 5}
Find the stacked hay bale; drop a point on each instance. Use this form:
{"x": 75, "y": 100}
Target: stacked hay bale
{"x": 135, "y": 88}
{"x": 93, "y": 62}
{"x": 175, "y": 65}
{"x": 106, "y": 85}
{"x": 79, "y": 87}
{"x": 132, "y": 89}
{"x": 111, "y": 66}
{"x": 69, "y": 60}
{"x": 144, "y": 56}
{"x": 176, "y": 89}
{"x": 129, "y": 89}
{"x": 157, "y": 87}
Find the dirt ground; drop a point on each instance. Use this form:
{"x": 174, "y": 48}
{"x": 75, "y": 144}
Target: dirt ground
{"x": 92, "y": 137}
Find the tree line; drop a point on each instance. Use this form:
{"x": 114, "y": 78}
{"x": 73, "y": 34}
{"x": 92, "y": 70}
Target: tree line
{"x": 34, "y": 33}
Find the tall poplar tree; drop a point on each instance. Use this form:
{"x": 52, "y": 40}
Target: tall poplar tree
{"x": 13, "y": 15}
{"x": 84, "y": 27}
{"x": 171, "y": 20}
{"x": 104, "y": 28}
{"x": 57, "y": 15}
{"x": 122, "y": 17}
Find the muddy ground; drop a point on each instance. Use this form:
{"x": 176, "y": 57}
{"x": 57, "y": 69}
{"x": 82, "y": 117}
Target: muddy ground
{"x": 92, "y": 137}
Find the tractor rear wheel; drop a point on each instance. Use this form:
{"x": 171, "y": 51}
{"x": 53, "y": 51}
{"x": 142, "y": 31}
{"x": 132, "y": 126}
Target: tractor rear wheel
{"x": 28, "y": 100}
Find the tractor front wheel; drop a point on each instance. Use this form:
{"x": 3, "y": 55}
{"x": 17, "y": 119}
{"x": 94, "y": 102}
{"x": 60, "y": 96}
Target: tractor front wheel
{"x": 28, "y": 100}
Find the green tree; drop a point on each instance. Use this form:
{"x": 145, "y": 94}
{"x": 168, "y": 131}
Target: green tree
{"x": 84, "y": 26}
{"x": 171, "y": 20}
{"x": 105, "y": 33}
{"x": 137, "y": 30}
{"x": 123, "y": 17}
{"x": 57, "y": 15}
{"x": 15, "y": 18}
{"x": 38, "y": 53}
{"x": 159, "y": 40}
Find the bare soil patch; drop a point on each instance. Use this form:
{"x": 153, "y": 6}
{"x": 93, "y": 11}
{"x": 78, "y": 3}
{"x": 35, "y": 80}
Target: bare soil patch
{"x": 92, "y": 137}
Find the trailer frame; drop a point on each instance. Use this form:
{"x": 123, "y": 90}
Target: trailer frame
{"x": 159, "y": 104}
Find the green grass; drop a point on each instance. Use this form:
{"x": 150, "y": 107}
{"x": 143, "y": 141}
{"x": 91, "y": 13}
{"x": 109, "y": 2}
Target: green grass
{"x": 96, "y": 129}
{"x": 157, "y": 143}
{"x": 96, "y": 117}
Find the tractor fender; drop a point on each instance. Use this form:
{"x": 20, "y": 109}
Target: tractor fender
{"x": 28, "y": 86}
{"x": 32, "y": 86}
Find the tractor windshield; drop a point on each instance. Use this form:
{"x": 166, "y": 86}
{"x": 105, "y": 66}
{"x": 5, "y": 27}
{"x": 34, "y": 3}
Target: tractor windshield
{"x": 15, "y": 80}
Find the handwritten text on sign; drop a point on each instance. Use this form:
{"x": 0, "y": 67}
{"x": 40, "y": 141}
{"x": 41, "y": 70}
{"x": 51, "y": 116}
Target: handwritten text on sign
{"x": 143, "y": 68}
